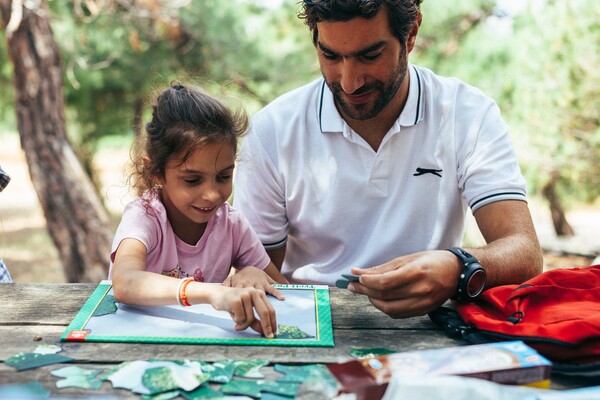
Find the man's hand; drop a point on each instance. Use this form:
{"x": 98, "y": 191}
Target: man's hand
{"x": 410, "y": 285}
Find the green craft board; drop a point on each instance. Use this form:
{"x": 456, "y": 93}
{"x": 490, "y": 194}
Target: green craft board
{"x": 79, "y": 328}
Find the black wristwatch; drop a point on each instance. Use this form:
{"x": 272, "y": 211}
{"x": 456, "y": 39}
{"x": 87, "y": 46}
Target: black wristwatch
{"x": 471, "y": 280}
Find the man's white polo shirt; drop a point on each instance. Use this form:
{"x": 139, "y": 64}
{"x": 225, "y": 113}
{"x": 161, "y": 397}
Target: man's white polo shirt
{"x": 306, "y": 178}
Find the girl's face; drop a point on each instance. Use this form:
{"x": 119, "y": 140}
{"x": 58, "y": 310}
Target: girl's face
{"x": 193, "y": 191}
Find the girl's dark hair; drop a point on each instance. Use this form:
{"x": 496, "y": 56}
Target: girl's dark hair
{"x": 401, "y": 13}
{"x": 184, "y": 118}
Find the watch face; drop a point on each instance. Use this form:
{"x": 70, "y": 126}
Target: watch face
{"x": 476, "y": 283}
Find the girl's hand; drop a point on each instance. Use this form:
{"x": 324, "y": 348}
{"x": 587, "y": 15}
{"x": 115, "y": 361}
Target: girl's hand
{"x": 255, "y": 278}
{"x": 241, "y": 303}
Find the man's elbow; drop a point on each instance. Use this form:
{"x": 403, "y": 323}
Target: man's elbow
{"x": 535, "y": 263}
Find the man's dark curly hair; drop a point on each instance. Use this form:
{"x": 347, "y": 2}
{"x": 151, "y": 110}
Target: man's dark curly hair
{"x": 401, "y": 13}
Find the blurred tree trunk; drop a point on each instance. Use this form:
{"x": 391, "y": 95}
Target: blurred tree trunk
{"x": 138, "y": 113}
{"x": 77, "y": 223}
{"x": 559, "y": 218}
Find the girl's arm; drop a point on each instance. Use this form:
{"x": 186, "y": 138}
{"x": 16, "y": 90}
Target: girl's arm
{"x": 132, "y": 284}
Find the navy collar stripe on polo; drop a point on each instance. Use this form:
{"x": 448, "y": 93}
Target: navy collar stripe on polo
{"x": 416, "y": 89}
{"x": 417, "y": 114}
{"x": 321, "y": 106}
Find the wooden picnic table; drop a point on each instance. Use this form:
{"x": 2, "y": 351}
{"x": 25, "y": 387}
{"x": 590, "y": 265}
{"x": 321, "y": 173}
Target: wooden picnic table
{"x": 38, "y": 313}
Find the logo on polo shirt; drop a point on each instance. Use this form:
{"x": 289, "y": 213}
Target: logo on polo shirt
{"x": 423, "y": 171}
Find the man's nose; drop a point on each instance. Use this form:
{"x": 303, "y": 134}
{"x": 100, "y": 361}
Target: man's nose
{"x": 352, "y": 75}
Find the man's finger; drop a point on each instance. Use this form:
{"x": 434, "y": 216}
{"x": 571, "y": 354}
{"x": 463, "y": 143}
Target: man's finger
{"x": 379, "y": 269}
{"x": 378, "y": 291}
{"x": 356, "y": 287}
{"x": 388, "y": 281}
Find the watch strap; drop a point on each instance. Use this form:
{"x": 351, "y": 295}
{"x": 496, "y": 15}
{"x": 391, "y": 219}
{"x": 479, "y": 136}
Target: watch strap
{"x": 470, "y": 266}
{"x": 463, "y": 255}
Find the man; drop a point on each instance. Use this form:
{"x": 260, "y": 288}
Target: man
{"x": 374, "y": 166}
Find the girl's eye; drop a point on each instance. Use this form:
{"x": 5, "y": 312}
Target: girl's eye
{"x": 191, "y": 181}
{"x": 224, "y": 178}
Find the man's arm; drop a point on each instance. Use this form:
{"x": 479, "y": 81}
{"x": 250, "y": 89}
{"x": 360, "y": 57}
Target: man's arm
{"x": 277, "y": 255}
{"x": 513, "y": 253}
{"x": 418, "y": 283}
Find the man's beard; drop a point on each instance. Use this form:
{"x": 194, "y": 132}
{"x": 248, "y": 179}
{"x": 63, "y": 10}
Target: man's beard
{"x": 385, "y": 93}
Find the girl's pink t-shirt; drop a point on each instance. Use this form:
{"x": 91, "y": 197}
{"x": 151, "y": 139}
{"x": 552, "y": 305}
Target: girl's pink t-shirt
{"x": 227, "y": 241}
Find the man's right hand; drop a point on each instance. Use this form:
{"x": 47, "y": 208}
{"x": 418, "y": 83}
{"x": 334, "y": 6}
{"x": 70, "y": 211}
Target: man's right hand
{"x": 410, "y": 285}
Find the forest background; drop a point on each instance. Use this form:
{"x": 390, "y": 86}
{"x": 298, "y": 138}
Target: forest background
{"x": 538, "y": 59}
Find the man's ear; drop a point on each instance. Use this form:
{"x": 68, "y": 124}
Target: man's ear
{"x": 412, "y": 35}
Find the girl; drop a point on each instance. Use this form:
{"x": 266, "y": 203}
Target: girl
{"x": 180, "y": 232}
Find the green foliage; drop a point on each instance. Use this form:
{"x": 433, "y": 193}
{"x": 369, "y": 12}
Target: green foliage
{"x": 115, "y": 57}
{"x": 7, "y": 111}
{"x": 444, "y": 29}
{"x": 559, "y": 110}
{"x": 111, "y": 58}
{"x": 541, "y": 68}
{"x": 289, "y": 56}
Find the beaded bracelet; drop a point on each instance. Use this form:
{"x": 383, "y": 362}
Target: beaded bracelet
{"x": 181, "y": 296}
